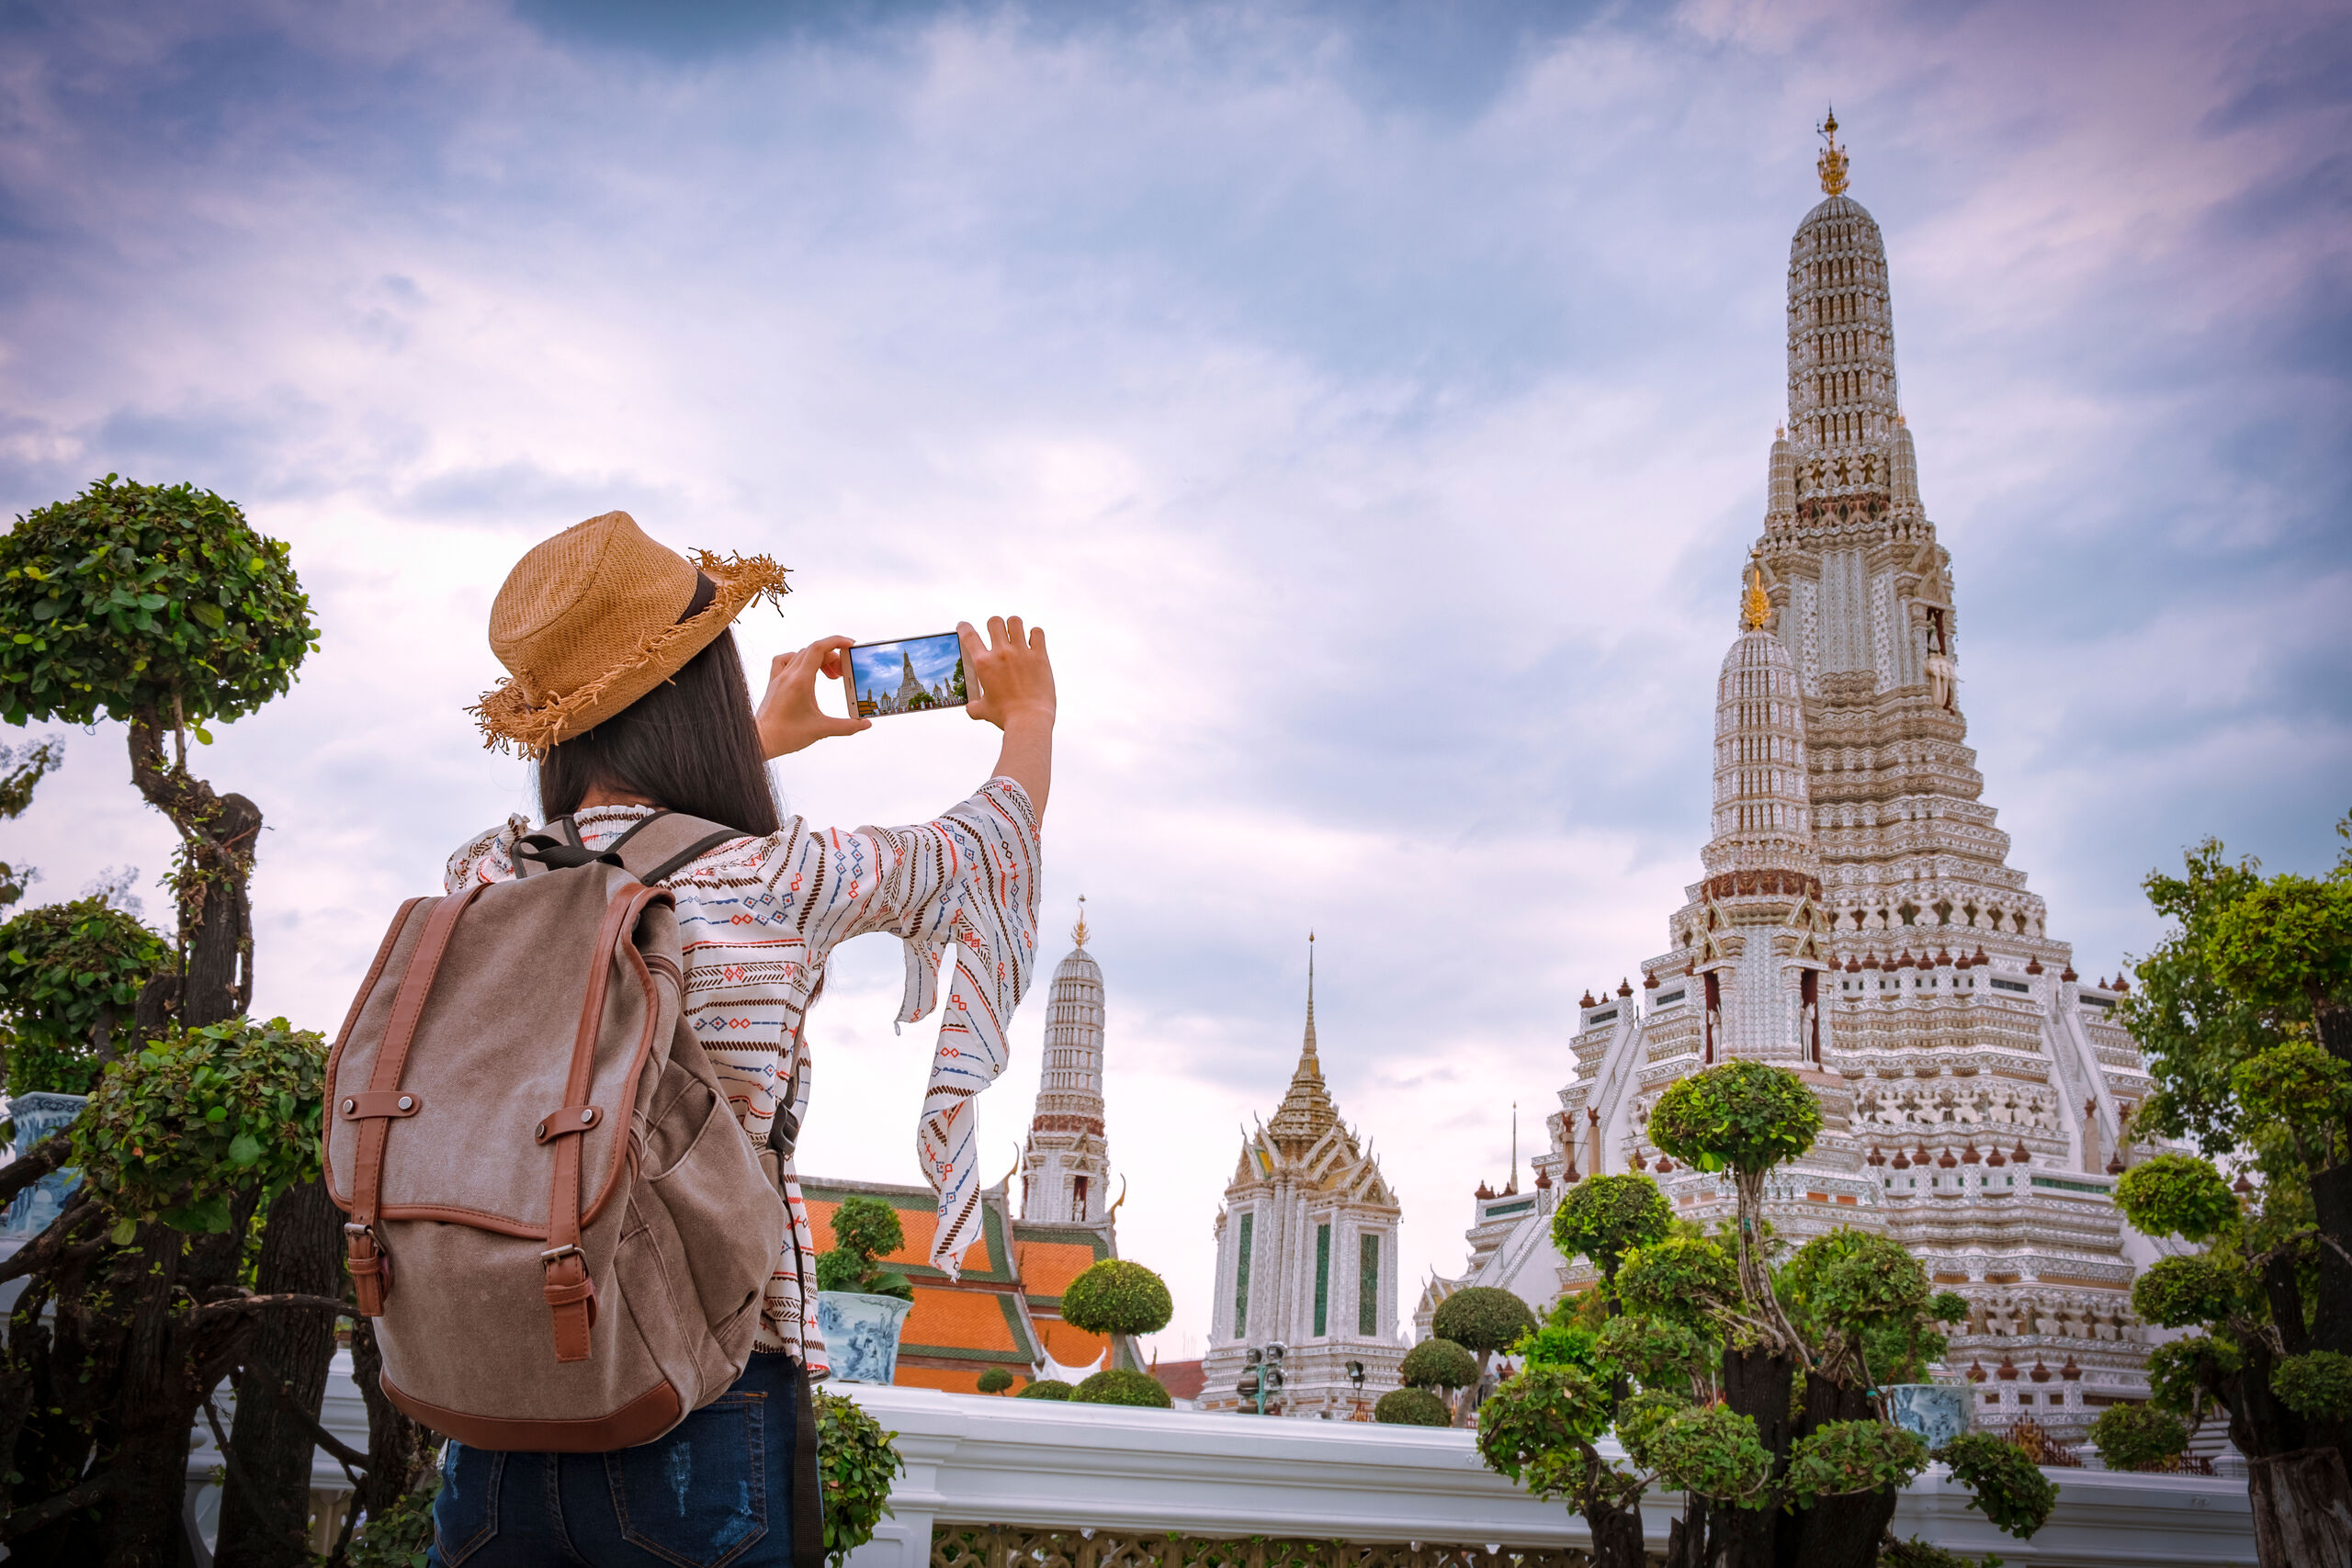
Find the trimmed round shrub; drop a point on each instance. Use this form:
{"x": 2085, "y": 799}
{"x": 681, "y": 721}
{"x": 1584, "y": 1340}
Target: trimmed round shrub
{"x": 1118, "y": 1297}
{"x": 1119, "y": 1385}
{"x": 1540, "y": 1418}
{"x": 174, "y": 1131}
{"x": 864, "y": 1229}
{"x": 857, "y": 1463}
{"x": 996, "y": 1380}
{"x": 2316, "y": 1386}
{"x": 132, "y": 599}
{"x": 2002, "y": 1484}
{"x": 61, "y": 966}
{"x": 2181, "y": 1292}
{"x": 1604, "y": 1217}
{"x": 1046, "y": 1388}
{"x": 1743, "y": 1116}
{"x": 1437, "y": 1363}
{"x": 1411, "y": 1407}
{"x": 2138, "y": 1437}
{"x": 1681, "y": 1280}
{"x": 1483, "y": 1319}
{"x": 2175, "y": 1195}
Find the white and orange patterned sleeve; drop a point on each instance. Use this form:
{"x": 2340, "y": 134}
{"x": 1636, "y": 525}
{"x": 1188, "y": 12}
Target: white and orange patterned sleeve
{"x": 965, "y": 886}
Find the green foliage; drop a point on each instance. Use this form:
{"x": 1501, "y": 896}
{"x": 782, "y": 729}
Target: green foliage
{"x": 2317, "y": 1385}
{"x": 1539, "y": 1415}
{"x": 864, "y": 1230}
{"x": 1947, "y": 1306}
{"x": 1681, "y": 1280}
{"x": 2138, "y": 1437}
{"x": 1656, "y": 1352}
{"x": 1122, "y": 1386}
{"x": 1604, "y": 1217}
{"x": 402, "y": 1537}
{"x": 1917, "y": 1554}
{"x": 2003, "y": 1485}
{"x": 1046, "y": 1388}
{"x": 1841, "y": 1457}
{"x": 1118, "y": 1297}
{"x": 996, "y": 1380}
{"x": 1715, "y": 1451}
{"x": 1851, "y": 1279}
{"x": 2182, "y": 1293}
{"x": 2296, "y": 1100}
{"x": 130, "y": 598}
{"x": 1745, "y": 1116}
{"x": 21, "y": 770}
{"x": 2233, "y": 979}
{"x": 1411, "y": 1407}
{"x": 1437, "y": 1363}
{"x": 2176, "y": 1195}
{"x": 2179, "y": 1369}
{"x": 1483, "y": 1319}
{"x": 857, "y": 1463}
{"x": 2287, "y": 943}
{"x": 1561, "y": 1343}
{"x": 200, "y": 1114}
{"x": 61, "y": 967}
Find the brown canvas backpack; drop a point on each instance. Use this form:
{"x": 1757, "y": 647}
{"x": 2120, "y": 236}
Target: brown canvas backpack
{"x": 555, "y": 1220}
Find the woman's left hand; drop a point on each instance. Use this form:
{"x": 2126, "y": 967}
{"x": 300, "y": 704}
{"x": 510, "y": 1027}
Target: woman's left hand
{"x": 788, "y": 716}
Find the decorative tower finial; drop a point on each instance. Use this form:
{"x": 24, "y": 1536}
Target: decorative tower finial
{"x": 1310, "y": 993}
{"x": 1832, "y": 162}
{"x": 1079, "y": 935}
{"x": 1755, "y": 607}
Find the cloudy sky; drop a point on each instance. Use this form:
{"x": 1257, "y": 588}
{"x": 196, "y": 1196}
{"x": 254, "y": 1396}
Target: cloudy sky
{"x": 1371, "y": 401}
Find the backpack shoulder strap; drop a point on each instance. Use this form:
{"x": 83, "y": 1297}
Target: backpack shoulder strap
{"x": 667, "y": 842}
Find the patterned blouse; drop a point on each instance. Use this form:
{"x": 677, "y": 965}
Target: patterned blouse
{"x": 758, "y": 918}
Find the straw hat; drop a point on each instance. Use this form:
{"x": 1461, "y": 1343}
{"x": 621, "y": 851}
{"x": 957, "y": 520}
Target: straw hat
{"x": 593, "y": 619}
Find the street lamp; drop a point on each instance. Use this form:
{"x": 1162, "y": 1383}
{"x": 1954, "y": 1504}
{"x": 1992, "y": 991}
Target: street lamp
{"x": 1261, "y": 1376}
{"x": 1356, "y": 1376}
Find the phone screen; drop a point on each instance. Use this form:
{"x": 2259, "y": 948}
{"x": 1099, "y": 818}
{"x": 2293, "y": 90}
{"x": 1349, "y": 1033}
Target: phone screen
{"x": 909, "y": 675}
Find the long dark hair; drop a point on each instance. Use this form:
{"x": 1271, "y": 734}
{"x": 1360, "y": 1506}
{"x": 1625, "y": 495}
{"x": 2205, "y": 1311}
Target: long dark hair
{"x": 690, "y": 744}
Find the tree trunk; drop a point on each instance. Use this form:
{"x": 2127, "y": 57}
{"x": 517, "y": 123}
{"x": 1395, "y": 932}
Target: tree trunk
{"x": 266, "y": 1508}
{"x": 1836, "y": 1532}
{"x": 1616, "y": 1537}
{"x": 1757, "y": 1384}
{"x": 2331, "y": 1191}
{"x": 218, "y": 833}
{"x": 2302, "y": 1509}
{"x": 401, "y": 1453}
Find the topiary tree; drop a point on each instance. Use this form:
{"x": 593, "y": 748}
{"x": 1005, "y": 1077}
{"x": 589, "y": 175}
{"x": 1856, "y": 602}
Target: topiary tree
{"x": 857, "y": 1463}
{"x": 189, "y": 1137}
{"x": 1046, "y": 1388}
{"x": 865, "y": 1229}
{"x": 996, "y": 1380}
{"x": 2244, "y": 1012}
{"x": 163, "y": 608}
{"x": 1440, "y": 1364}
{"x": 1744, "y": 1117}
{"x": 2138, "y": 1437}
{"x": 1484, "y": 1321}
{"x": 2003, "y": 1485}
{"x": 1604, "y": 1217}
{"x": 69, "y": 973}
{"x": 1411, "y": 1407}
{"x": 1122, "y": 1386}
{"x": 1118, "y": 1297}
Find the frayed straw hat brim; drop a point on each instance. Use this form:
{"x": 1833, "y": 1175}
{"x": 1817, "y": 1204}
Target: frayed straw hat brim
{"x": 510, "y": 720}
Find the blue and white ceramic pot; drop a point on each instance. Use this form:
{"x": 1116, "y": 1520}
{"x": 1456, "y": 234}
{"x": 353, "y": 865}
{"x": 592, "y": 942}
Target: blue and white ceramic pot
{"x": 37, "y": 1116}
{"x": 861, "y": 1334}
{"x": 1937, "y": 1411}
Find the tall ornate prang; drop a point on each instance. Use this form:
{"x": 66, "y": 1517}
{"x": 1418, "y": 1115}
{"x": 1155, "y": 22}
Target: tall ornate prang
{"x": 1307, "y": 1256}
{"x": 1065, "y": 1163}
{"x": 1858, "y": 920}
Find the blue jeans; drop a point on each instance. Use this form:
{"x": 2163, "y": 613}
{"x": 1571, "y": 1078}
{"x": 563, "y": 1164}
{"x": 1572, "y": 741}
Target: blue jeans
{"x": 716, "y": 1489}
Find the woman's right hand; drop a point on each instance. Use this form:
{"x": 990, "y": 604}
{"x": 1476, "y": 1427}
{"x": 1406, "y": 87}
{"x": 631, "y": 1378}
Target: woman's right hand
{"x": 1015, "y": 682}
{"x": 788, "y": 716}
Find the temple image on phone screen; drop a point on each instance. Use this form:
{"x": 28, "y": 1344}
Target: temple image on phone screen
{"x": 908, "y": 676}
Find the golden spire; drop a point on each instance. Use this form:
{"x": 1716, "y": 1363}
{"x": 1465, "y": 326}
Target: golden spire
{"x": 1079, "y": 936}
{"x": 1832, "y": 162}
{"x": 1755, "y": 608}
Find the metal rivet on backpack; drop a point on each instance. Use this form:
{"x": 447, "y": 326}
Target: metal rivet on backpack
{"x": 407, "y": 1103}
{"x": 543, "y": 1132}
{"x": 587, "y": 1116}
{"x": 349, "y": 1106}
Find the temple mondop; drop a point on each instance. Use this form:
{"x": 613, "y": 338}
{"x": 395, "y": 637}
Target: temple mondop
{"x": 1306, "y": 1257}
{"x": 1857, "y": 919}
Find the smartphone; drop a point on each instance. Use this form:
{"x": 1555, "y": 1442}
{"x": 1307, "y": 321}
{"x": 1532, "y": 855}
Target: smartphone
{"x": 911, "y": 675}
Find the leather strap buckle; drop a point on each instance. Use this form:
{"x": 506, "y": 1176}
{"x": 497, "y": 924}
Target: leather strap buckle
{"x": 556, "y": 1254}
{"x": 569, "y": 1120}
